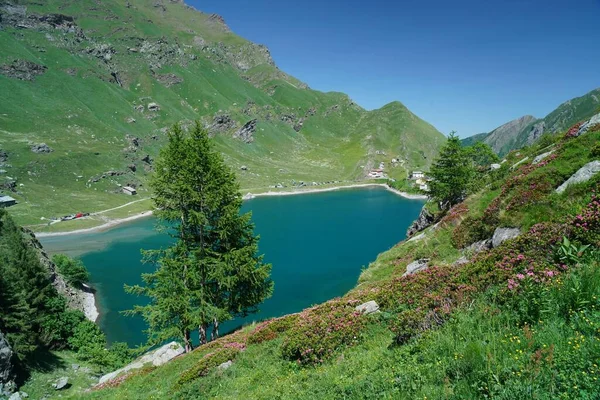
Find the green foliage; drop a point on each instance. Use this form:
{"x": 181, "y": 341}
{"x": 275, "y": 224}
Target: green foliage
{"x": 481, "y": 154}
{"x": 212, "y": 272}
{"x": 321, "y": 330}
{"x": 73, "y": 270}
{"x": 595, "y": 150}
{"x": 60, "y": 323}
{"x": 208, "y": 362}
{"x": 271, "y": 329}
{"x": 569, "y": 253}
{"x": 452, "y": 173}
{"x": 89, "y": 343}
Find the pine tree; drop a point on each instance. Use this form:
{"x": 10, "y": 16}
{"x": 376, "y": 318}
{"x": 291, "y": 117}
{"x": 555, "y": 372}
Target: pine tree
{"x": 452, "y": 173}
{"x": 213, "y": 272}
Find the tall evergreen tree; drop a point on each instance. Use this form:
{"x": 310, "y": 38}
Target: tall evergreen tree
{"x": 213, "y": 272}
{"x": 452, "y": 173}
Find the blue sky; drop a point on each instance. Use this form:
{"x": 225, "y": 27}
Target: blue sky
{"x": 464, "y": 65}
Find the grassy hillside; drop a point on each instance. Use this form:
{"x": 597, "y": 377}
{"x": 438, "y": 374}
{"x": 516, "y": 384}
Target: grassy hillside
{"x": 527, "y": 130}
{"x": 520, "y": 320}
{"x": 81, "y": 77}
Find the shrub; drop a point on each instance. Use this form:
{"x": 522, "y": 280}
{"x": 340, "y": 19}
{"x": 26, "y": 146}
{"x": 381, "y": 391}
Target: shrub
{"x": 321, "y": 330}
{"x": 208, "y": 362}
{"x": 269, "y": 330}
{"x": 572, "y": 132}
{"x": 586, "y": 225}
{"x": 471, "y": 230}
{"x": 595, "y": 152}
{"x": 73, "y": 270}
{"x": 407, "y": 325}
{"x": 59, "y": 323}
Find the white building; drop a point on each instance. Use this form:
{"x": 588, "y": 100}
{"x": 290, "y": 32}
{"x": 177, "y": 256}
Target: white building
{"x": 417, "y": 175}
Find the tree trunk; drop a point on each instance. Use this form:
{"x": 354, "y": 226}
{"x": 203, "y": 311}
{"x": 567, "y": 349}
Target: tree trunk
{"x": 187, "y": 342}
{"x": 216, "y": 329}
{"x": 202, "y": 334}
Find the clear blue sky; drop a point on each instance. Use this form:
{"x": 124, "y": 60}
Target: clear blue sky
{"x": 464, "y": 65}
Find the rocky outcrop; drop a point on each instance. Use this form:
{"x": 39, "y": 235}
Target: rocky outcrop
{"x": 505, "y": 134}
{"x": 221, "y": 123}
{"x": 424, "y": 220}
{"x": 22, "y": 70}
{"x": 41, "y": 148}
{"x": 169, "y": 79}
{"x": 416, "y": 266}
{"x": 82, "y": 299}
{"x": 539, "y": 158}
{"x": 584, "y": 174}
{"x": 478, "y": 247}
{"x": 537, "y": 130}
{"x": 156, "y": 358}
{"x": 7, "y": 385}
{"x": 245, "y": 133}
{"x": 61, "y": 383}
{"x": 501, "y": 235}
{"x": 369, "y": 307}
{"x": 588, "y": 124}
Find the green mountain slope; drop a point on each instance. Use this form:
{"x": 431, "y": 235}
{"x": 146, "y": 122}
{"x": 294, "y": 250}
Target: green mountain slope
{"x": 100, "y": 82}
{"x": 488, "y": 315}
{"x": 526, "y": 130}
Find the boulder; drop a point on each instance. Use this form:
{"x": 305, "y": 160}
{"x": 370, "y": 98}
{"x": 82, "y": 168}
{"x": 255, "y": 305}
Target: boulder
{"x": 153, "y": 107}
{"x": 245, "y": 132}
{"x": 424, "y": 219}
{"x": 461, "y": 261}
{"x": 367, "y": 308}
{"x": 478, "y": 247}
{"x": 155, "y": 357}
{"x": 3, "y": 155}
{"x": 587, "y": 125}
{"x": 16, "y": 396}
{"x": 501, "y": 235}
{"x": 541, "y": 157}
{"x": 61, "y": 384}
{"x": 495, "y": 166}
{"x": 416, "y": 266}
{"x": 584, "y": 174}
{"x": 40, "y": 148}
{"x": 515, "y": 165}
{"x": 225, "y": 365}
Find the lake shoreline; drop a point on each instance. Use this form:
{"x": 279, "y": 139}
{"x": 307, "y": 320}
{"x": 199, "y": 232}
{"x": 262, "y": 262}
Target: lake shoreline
{"x": 248, "y": 196}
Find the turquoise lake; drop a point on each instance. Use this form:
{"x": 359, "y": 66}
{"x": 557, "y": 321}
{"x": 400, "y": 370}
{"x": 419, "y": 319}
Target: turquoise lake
{"x": 318, "y": 244}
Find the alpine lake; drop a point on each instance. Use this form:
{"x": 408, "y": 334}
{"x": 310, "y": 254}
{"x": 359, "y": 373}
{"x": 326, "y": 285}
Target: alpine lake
{"x": 318, "y": 244}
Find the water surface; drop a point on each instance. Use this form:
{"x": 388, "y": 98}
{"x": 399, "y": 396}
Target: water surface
{"x": 318, "y": 244}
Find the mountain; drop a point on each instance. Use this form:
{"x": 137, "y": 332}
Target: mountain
{"x": 526, "y": 130}
{"x": 90, "y": 88}
{"x": 497, "y": 298}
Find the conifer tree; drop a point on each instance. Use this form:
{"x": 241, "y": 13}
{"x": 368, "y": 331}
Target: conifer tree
{"x": 452, "y": 173}
{"x": 212, "y": 272}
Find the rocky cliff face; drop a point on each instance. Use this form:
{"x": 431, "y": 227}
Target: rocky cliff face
{"x": 424, "y": 219}
{"x": 7, "y": 385}
{"x": 503, "y": 136}
{"x": 78, "y": 299}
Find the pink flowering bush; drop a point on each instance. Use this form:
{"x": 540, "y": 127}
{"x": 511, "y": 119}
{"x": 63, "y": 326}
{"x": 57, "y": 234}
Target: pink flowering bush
{"x": 320, "y": 331}
{"x": 270, "y": 329}
{"x": 586, "y": 225}
{"x": 572, "y": 132}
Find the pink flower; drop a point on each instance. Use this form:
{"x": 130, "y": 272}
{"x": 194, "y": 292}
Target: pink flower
{"x": 520, "y": 277}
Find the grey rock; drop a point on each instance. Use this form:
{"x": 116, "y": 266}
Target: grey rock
{"x": 225, "y": 365}
{"x": 61, "y": 384}
{"x": 588, "y": 124}
{"x": 3, "y": 155}
{"x": 22, "y": 70}
{"x": 245, "y": 133}
{"x": 75, "y": 367}
{"x": 24, "y": 395}
{"x": 153, "y": 107}
{"x": 461, "y": 261}
{"x": 15, "y": 396}
{"x": 424, "y": 219}
{"x": 169, "y": 79}
{"x": 515, "y": 165}
{"x": 478, "y": 247}
{"x": 416, "y": 266}
{"x": 244, "y": 168}
{"x": 501, "y": 235}
{"x": 584, "y": 174}
{"x": 6, "y": 366}
{"x": 367, "y": 308}
{"x": 222, "y": 123}
{"x": 495, "y": 166}
{"x": 155, "y": 357}
{"x": 539, "y": 158}
{"x": 41, "y": 148}
{"x": 537, "y": 130}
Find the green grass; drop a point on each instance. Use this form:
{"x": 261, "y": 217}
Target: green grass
{"x": 83, "y": 117}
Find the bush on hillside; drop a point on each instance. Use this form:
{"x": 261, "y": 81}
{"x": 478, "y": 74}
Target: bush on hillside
{"x": 269, "y": 330}
{"x": 209, "y": 362}
{"x": 89, "y": 342}
{"x": 321, "y": 330}
{"x": 586, "y": 225}
{"x": 73, "y": 270}
{"x": 59, "y": 324}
